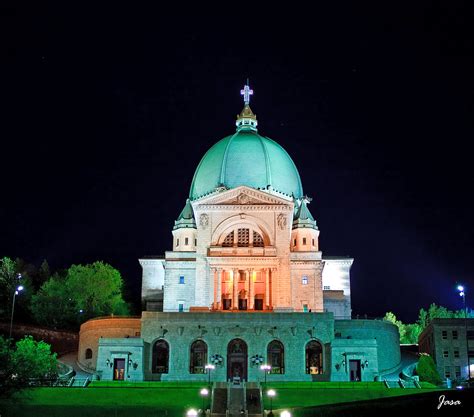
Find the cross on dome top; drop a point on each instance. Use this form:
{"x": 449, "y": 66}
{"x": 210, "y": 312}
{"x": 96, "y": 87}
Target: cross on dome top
{"x": 246, "y": 92}
{"x": 246, "y": 119}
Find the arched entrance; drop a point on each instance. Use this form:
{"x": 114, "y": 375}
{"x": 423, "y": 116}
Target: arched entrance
{"x": 237, "y": 359}
{"x": 160, "y": 357}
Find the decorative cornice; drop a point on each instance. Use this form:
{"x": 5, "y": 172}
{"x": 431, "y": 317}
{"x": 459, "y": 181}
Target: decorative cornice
{"x": 225, "y": 196}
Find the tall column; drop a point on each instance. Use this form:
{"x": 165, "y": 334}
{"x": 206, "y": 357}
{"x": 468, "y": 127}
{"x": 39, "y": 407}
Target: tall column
{"x": 219, "y": 289}
{"x": 235, "y": 298}
{"x": 267, "y": 287}
{"x": 214, "y": 279}
{"x": 251, "y": 289}
{"x": 247, "y": 273}
{"x": 273, "y": 288}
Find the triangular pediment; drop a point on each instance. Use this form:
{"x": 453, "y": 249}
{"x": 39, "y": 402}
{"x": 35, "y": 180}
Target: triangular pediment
{"x": 242, "y": 196}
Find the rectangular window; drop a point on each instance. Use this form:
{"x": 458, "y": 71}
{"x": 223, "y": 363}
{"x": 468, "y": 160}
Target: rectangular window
{"x": 457, "y": 370}
{"x": 446, "y": 353}
{"x": 455, "y": 334}
{"x": 177, "y": 242}
{"x": 312, "y": 242}
{"x": 195, "y": 242}
{"x": 456, "y": 353}
{"x": 181, "y": 279}
{"x": 294, "y": 242}
{"x": 304, "y": 241}
{"x": 186, "y": 241}
{"x": 444, "y": 334}
{"x": 470, "y": 353}
{"x": 180, "y": 308}
{"x": 447, "y": 372}
{"x": 470, "y": 335}
{"x": 327, "y": 287}
{"x": 304, "y": 280}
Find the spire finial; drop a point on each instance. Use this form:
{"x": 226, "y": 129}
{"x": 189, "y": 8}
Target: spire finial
{"x": 246, "y": 92}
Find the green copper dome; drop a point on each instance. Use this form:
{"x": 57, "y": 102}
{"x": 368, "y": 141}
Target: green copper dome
{"x": 246, "y": 158}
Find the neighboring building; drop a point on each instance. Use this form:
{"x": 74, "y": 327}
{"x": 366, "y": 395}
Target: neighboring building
{"x": 246, "y": 283}
{"x": 451, "y": 344}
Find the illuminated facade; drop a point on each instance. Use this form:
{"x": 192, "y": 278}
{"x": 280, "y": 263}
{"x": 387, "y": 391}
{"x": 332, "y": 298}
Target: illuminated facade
{"x": 246, "y": 239}
{"x": 246, "y": 284}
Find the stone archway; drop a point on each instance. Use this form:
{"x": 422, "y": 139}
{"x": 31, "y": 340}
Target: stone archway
{"x": 237, "y": 359}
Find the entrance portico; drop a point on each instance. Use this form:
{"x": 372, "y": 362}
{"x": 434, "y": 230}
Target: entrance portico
{"x": 243, "y": 288}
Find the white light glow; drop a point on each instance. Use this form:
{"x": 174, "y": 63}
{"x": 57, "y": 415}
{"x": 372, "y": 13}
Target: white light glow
{"x": 271, "y": 392}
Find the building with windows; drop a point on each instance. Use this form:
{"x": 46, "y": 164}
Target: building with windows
{"x": 450, "y": 342}
{"x": 245, "y": 282}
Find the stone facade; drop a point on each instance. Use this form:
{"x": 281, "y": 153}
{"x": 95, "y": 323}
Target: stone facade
{"x": 450, "y": 342}
{"x": 93, "y": 331}
{"x": 358, "y": 350}
{"x": 120, "y": 359}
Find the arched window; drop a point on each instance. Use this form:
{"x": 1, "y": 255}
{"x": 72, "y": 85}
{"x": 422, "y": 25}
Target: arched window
{"x": 276, "y": 357}
{"x": 243, "y": 238}
{"x": 257, "y": 240}
{"x": 314, "y": 358}
{"x": 160, "y": 358}
{"x": 229, "y": 240}
{"x": 88, "y": 353}
{"x": 198, "y": 357}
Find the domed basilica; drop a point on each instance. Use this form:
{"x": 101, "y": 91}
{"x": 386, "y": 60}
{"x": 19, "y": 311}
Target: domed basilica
{"x": 244, "y": 284}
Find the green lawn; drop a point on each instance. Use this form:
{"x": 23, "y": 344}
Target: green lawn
{"x": 301, "y": 394}
{"x": 174, "y": 398}
{"x": 92, "y": 402}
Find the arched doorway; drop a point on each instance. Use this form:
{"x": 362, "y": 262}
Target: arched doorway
{"x": 276, "y": 357}
{"x": 314, "y": 358}
{"x": 198, "y": 357}
{"x": 160, "y": 357}
{"x": 237, "y": 359}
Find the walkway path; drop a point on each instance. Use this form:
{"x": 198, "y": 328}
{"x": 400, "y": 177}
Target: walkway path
{"x": 71, "y": 360}
{"x": 236, "y": 400}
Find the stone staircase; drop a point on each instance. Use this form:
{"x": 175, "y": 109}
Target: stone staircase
{"x": 254, "y": 400}
{"x": 236, "y": 400}
{"x": 219, "y": 400}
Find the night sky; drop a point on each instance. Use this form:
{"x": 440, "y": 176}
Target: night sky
{"x": 105, "y": 114}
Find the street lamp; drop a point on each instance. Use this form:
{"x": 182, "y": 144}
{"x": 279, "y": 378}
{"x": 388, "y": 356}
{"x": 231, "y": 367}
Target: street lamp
{"x": 462, "y": 293}
{"x": 204, "y": 393}
{"x": 17, "y": 291}
{"x": 285, "y": 414}
{"x": 209, "y": 367}
{"x": 192, "y": 413}
{"x": 271, "y": 393}
{"x": 266, "y": 369}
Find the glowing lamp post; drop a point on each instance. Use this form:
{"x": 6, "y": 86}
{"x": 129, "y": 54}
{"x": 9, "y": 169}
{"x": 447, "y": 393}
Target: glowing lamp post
{"x": 17, "y": 291}
{"x": 191, "y": 413}
{"x": 266, "y": 369}
{"x": 271, "y": 393}
{"x": 285, "y": 414}
{"x": 462, "y": 293}
{"x": 209, "y": 367}
{"x": 204, "y": 393}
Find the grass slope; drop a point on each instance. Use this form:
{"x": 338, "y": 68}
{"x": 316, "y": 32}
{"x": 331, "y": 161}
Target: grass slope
{"x": 294, "y": 394}
{"x": 172, "y": 399}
